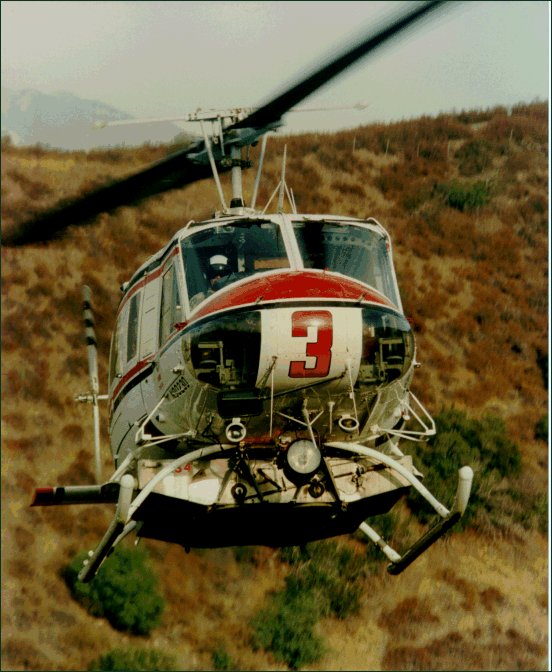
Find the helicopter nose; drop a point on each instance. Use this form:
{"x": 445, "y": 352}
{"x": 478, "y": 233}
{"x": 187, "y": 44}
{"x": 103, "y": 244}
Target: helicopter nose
{"x": 309, "y": 345}
{"x": 296, "y": 329}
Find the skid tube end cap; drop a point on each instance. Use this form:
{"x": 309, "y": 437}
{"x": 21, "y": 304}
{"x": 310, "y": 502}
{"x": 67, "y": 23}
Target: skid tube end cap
{"x": 465, "y": 480}
{"x": 43, "y": 497}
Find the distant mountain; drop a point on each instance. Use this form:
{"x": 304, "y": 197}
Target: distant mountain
{"x": 65, "y": 121}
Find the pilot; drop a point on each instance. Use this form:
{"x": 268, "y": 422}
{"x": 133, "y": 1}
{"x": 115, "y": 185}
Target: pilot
{"x": 219, "y": 268}
{"x": 218, "y": 273}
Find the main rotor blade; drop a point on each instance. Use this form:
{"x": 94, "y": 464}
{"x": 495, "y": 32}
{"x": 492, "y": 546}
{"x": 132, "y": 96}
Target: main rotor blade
{"x": 272, "y": 111}
{"x": 177, "y": 170}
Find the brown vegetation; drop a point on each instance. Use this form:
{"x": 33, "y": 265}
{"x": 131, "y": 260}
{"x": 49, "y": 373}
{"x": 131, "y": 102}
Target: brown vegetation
{"x": 465, "y": 200}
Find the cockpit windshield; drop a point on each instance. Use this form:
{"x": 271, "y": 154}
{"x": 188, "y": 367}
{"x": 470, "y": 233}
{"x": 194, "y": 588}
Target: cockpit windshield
{"x": 355, "y": 251}
{"x": 222, "y": 254}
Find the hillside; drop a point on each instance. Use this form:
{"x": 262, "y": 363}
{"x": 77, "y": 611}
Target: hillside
{"x": 465, "y": 199}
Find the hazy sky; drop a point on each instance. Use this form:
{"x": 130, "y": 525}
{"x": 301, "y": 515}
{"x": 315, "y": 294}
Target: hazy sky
{"x": 154, "y": 59}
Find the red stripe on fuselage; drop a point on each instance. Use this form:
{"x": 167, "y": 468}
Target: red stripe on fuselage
{"x": 140, "y": 366}
{"x": 147, "y": 278}
{"x": 290, "y": 286}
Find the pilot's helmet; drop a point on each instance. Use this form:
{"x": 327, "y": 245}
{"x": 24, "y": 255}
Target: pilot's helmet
{"x": 218, "y": 266}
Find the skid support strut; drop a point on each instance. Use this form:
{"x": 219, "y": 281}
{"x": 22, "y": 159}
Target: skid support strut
{"x": 465, "y": 477}
{"x": 400, "y": 562}
{"x": 92, "y": 564}
{"x": 122, "y": 522}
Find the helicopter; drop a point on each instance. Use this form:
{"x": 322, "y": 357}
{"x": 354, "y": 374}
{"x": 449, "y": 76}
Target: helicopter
{"x": 260, "y": 364}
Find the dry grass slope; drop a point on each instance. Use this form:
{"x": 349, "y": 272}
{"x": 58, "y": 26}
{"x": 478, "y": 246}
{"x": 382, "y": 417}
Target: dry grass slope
{"x": 465, "y": 200}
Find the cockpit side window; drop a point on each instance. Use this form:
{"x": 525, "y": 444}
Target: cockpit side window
{"x": 354, "y": 251}
{"x": 115, "y": 368}
{"x": 119, "y": 346}
{"x": 218, "y": 256}
{"x": 132, "y": 328}
{"x": 170, "y": 304}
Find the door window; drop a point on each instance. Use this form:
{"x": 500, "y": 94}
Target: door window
{"x": 170, "y": 304}
{"x": 132, "y": 327}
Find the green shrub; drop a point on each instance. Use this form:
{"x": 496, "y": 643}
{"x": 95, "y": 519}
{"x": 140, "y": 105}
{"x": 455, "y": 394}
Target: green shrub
{"x": 474, "y": 157}
{"x": 324, "y": 580}
{"x": 286, "y": 629}
{"x": 222, "y": 661}
{"x": 538, "y": 513}
{"x": 134, "y": 659}
{"x": 529, "y": 509}
{"x": 464, "y": 197}
{"x": 483, "y": 445}
{"x": 329, "y": 573}
{"x": 541, "y": 429}
{"x": 124, "y": 591}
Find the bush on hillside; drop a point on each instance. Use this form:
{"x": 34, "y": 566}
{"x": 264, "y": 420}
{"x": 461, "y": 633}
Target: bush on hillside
{"x": 329, "y": 572}
{"x": 324, "y": 581}
{"x": 482, "y": 444}
{"x": 541, "y": 429}
{"x": 464, "y": 197}
{"x": 133, "y": 659}
{"x": 474, "y": 157}
{"x": 286, "y": 629}
{"x": 222, "y": 660}
{"x": 124, "y": 591}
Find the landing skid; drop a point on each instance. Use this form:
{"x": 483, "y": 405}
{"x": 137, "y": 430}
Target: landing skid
{"x": 400, "y": 563}
{"x": 115, "y": 531}
{"x": 129, "y": 500}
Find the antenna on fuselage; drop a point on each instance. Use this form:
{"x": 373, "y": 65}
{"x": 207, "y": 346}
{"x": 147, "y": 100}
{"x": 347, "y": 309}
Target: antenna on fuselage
{"x": 259, "y": 171}
{"x": 282, "y": 190}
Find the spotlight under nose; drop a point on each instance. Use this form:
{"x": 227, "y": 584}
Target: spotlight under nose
{"x": 303, "y": 457}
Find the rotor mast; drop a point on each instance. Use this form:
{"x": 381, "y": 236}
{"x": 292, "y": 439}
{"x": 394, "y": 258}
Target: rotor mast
{"x": 236, "y": 175}
{"x": 223, "y": 151}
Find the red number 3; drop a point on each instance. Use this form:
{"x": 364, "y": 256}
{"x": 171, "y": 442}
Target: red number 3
{"x": 320, "y": 349}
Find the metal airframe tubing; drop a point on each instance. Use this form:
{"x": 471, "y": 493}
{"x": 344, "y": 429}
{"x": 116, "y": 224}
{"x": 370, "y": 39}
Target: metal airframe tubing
{"x": 379, "y": 541}
{"x": 96, "y": 558}
{"x": 259, "y": 171}
{"x": 236, "y": 176}
{"x": 213, "y": 164}
{"x": 390, "y": 462}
